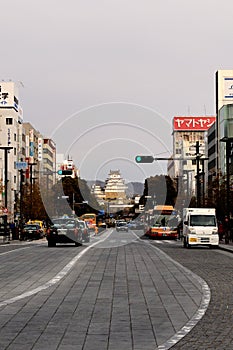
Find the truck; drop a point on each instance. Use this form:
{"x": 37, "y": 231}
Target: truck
{"x": 200, "y": 227}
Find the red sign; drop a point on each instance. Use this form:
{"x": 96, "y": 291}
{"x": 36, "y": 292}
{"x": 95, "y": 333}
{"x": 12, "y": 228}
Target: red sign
{"x": 201, "y": 123}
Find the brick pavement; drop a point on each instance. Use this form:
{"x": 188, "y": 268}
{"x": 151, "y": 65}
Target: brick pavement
{"x": 215, "y": 330}
{"x": 130, "y": 297}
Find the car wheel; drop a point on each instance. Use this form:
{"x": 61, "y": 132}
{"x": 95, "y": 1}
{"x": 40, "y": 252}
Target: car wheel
{"x": 51, "y": 244}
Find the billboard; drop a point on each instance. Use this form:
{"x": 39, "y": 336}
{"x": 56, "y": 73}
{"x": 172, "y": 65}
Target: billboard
{"x": 193, "y": 123}
{"x": 40, "y": 149}
{"x": 228, "y": 88}
{"x": 9, "y": 95}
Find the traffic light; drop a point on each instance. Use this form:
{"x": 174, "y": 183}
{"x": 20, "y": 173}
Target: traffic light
{"x": 65, "y": 172}
{"x": 144, "y": 159}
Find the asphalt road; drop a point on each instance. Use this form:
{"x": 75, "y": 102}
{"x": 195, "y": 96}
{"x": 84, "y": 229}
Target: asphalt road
{"x": 116, "y": 293}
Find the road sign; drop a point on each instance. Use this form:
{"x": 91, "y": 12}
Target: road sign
{"x": 21, "y": 165}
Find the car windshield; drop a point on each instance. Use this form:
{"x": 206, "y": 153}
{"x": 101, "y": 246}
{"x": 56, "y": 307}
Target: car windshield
{"x": 58, "y": 223}
{"x": 31, "y": 227}
{"x": 202, "y": 220}
{"x": 82, "y": 224}
{"x": 121, "y": 223}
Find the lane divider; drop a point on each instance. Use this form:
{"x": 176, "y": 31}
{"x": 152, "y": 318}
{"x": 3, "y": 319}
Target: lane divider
{"x": 55, "y": 279}
{"x": 206, "y": 295}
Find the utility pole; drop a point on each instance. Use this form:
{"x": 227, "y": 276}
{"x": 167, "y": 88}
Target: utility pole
{"x": 31, "y": 183}
{"x": 21, "y": 197}
{"x": 6, "y": 150}
{"x": 198, "y": 174}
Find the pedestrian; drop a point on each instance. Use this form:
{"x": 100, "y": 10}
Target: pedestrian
{"x": 96, "y": 230}
{"x": 220, "y": 230}
{"x": 226, "y": 230}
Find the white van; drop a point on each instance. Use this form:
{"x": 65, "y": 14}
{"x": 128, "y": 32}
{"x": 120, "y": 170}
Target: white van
{"x": 200, "y": 227}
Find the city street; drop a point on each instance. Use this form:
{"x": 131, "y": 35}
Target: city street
{"x": 116, "y": 292}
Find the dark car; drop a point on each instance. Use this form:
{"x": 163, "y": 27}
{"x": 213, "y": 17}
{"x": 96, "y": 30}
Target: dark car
{"x": 62, "y": 230}
{"x": 31, "y": 231}
{"x": 122, "y": 226}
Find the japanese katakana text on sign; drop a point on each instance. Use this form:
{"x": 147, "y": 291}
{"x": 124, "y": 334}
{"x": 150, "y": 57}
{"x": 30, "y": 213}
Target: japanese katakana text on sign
{"x": 196, "y": 123}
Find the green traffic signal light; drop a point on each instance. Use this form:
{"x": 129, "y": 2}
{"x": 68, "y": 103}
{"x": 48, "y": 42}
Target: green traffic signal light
{"x": 65, "y": 172}
{"x": 144, "y": 159}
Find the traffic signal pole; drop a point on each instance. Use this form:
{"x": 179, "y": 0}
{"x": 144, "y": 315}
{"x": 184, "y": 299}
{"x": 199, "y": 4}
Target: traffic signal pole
{"x": 149, "y": 159}
{"x": 198, "y": 175}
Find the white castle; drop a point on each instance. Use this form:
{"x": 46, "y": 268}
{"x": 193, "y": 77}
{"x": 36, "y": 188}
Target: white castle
{"x": 115, "y": 187}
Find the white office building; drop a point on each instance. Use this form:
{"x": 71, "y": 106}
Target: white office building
{"x": 11, "y": 135}
{"x": 187, "y": 131}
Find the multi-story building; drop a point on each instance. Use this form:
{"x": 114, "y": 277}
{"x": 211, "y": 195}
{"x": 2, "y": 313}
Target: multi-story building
{"x": 224, "y": 97}
{"x": 212, "y": 161}
{"x": 99, "y": 193}
{"x": 31, "y": 149}
{"x": 226, "y": 137}
{"x": 47, "y": 159}
{"x": 28, "y": 151}
{"x": 11, "y": 135}
{"x": 187, "y": 131}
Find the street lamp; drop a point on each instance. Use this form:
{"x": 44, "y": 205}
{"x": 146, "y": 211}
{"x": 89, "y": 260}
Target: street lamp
{"x": 6, "y": 149}
{"x": 228, "y": 141}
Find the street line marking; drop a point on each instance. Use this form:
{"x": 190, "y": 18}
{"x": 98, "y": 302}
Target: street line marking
{"x": 14, "y": 250}
{"x": 54, "y": 280}
{"x": 206, "y": 295}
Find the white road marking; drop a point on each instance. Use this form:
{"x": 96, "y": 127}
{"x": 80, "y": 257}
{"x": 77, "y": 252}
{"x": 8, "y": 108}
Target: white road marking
{"x": 57, "y": 278}
{"x": 206, "y": 295}
{"x": 14, "y": 250}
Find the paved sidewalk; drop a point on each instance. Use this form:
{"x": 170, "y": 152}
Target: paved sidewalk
{"x": 227, "y": 247}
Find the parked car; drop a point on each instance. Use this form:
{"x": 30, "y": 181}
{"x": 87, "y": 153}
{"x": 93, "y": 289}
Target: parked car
{"x": 85, "y": 232}
{"x": 31, "y": 231}
{"x": 2, "y": 229}
{"x": 102, "y": 226}
{"x": 64, "y": 230}
{"x": 122, "y": 226}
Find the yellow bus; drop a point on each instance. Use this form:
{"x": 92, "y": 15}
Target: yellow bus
{"x": 90, "y": 218}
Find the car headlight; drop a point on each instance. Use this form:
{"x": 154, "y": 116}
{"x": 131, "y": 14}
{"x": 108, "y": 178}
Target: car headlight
{"x": 214, "y": 232}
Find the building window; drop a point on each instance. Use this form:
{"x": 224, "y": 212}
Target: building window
{"x": 15, "y": 153}
{"x": 211, "y": 150}
{"x": 9, "y": 121}
{"x": 15, "y": 179}
{"x": 15, "y": 137}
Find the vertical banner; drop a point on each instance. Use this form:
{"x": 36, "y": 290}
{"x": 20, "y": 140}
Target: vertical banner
{"x": 31, "y": 146}
{"x": 40, "y": 149}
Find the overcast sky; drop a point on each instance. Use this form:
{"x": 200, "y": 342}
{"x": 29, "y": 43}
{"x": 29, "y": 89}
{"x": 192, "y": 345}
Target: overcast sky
{"x": 155, "y": 56}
